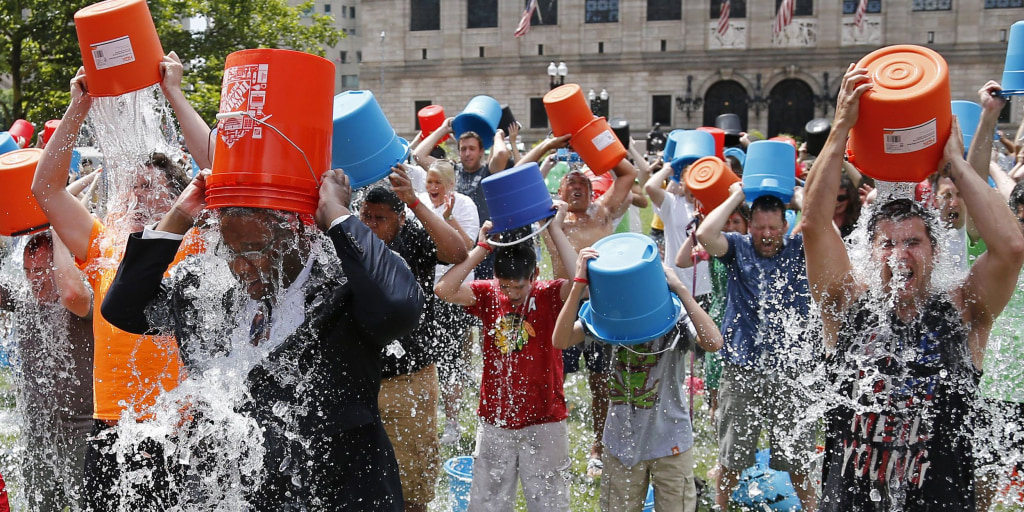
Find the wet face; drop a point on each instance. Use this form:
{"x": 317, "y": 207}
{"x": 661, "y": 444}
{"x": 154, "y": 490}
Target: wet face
{"x": 947, "y": 198}
{"x": 736, "y": 224}
{"x": 39, "y": 271}
{"x": 906, "y": 256}
{"x": 470, "y": 153}
{"x": 257, "y": 250}
{"x": 517, "y": 290}
{"x": 436, "y": 188}
{"x": 152, "y": 195}
{"x": 382, "y": 220}
{"x": 767, "y": 229}
{"x": 575, "y": 190}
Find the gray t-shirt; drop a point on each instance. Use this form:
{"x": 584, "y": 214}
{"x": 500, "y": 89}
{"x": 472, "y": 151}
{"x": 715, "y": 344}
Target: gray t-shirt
{"x": 648, "y": 413}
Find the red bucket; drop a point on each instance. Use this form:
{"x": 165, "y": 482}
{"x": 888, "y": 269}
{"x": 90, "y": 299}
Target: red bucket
{"x": 431, "y": 118}
{"x": 22, "y": 132}
{"x": 120, "y": 48}
{"x": 21, "y": 213}
{"x": 719, "y": 135}
{"x": 49, "y": 128}
{"x": 282, "y": 157}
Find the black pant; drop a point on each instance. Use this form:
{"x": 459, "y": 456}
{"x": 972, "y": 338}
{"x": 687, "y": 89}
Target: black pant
{"x": 109, "y": 485}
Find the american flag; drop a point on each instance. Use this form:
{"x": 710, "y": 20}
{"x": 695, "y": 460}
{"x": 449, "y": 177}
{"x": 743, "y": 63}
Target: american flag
{"x": 858, "y": 17}
{"x": 784, "y": 17}
{"x": 723, "y": 17}
{"x": 524, "y": 22}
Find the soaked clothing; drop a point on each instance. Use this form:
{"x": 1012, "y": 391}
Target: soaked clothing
{"x": 418, "y": 350}
{"x": 898, "y": 441}
{"x": 469, "y": 184}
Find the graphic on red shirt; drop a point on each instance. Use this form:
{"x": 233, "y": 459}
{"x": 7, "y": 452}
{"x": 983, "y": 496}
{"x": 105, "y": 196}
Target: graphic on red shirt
{"x": 512, "y": 333}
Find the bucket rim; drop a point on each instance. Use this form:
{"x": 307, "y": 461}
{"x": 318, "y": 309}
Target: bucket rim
{"x": 586, "y": 316}
{"x": 396, "y": 142}
{"x": 451, "y": 471}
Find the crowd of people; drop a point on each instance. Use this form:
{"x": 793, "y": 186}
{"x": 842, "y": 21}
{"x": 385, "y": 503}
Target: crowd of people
{"x": 832, "y": 324}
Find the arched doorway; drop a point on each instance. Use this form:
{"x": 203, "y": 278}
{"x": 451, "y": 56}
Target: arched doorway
{"x": 725, "y": 97}
{"x": 790, "y": 106}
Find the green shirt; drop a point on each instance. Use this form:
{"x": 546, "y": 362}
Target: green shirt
{"x": 1004, "y": 372}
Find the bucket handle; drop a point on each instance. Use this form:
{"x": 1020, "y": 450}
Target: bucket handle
{"x": 525, "y": 238}
{"x": 241, "y": 113}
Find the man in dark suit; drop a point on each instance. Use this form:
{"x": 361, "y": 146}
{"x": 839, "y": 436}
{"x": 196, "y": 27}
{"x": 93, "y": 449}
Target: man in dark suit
{"x": 317, "y": 321}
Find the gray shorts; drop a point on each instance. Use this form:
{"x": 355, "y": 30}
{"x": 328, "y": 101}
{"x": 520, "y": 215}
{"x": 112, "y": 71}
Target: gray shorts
{"x": 750, "y": 401}
{"x": 537, "y": 455}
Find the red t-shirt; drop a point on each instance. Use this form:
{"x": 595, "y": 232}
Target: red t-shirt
{"x": 522, "y": 377}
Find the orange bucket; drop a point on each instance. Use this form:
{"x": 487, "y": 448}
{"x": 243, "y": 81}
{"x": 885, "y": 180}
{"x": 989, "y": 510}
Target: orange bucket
{"x": 719, "y": 135}
{"x": 709, "y": 180}
{"x": 431, "y": 118}
{"x": 567, "y": 109}
{"x": 598, "y": 146}
{"x": 120, "y": 49}
{"x": 274, "y": 134}
{"x": 22, "y": 214}
{"x": 905, "y": 118}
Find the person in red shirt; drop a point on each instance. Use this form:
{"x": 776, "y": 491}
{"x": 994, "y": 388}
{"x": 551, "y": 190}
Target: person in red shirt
{"x": 522, "y": 433}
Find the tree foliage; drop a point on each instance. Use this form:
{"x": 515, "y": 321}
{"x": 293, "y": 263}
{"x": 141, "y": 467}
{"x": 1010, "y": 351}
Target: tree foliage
{"x": 40, "y": 47}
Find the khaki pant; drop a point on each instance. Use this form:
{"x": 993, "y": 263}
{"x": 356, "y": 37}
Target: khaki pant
{"x": 625, "y": 489}
{"x": 408, "y": 409}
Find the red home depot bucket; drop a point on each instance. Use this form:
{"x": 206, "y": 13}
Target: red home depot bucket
{"x": 431, "y": 118}
{"x": 21, "y": 213}
{"x": 274, "y": 134}
{"x": 567, "y": 109}
{"x": 120, "y": 49}
{"x": 709, "y": 180}
{"x": 905, "y": 118}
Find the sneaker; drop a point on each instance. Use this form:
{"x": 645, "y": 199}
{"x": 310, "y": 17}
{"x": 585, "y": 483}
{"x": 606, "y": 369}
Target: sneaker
{"x": 452, "y": 433}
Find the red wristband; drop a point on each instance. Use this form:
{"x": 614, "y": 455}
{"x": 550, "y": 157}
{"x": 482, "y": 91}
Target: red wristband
{"x": 582, "y": 280}
{"x": 485, "y": 246}
{"x": 415, "y": 204}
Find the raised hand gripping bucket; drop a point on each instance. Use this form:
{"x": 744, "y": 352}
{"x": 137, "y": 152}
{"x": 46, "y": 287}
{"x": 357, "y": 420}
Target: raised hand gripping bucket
{"x": 769, "y": 170}
{"x": 120, "y": 49}
{"x": 1013, "y": 67}
{"x": 517, "y": 197}
{"x": 22, "y": 132}
{"x": 709, "y": 180}
{"x": 719, "y": 135}
{"x": 481, "y": 116}
{"x": 567, "y": 109}
{"x": 905, "y": 117}
{"x": 274, "y": 134}
{"x": 460, "y": 479}
{"x": 21, "y": 213}
{"x": 431, "y": 118}
{"x": 968, "y": 113}
{"x": 691, "y": 145}
{"x": 630, "y": 302}
{"x": 598, "y": 146}
{"x": 365, "y": 144}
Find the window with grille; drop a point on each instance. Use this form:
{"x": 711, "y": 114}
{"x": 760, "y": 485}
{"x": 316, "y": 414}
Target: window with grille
{"x": 601, "y": 11}
{"x": 932, "y": 5}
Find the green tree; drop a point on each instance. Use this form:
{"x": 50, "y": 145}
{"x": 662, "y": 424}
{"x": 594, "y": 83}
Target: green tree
{"x": 40, "y": 47}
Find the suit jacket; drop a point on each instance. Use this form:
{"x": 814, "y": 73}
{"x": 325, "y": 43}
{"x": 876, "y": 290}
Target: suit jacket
{"x": 324, "y": 378}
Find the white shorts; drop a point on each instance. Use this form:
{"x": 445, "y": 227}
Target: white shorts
{"x": 537, "y": 455}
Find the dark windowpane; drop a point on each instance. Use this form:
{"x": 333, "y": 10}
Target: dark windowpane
{"x": 419, "y": 104}
{"x": 661, "y": 109}
{"x": 1003, "y": 4}
{"x": 850, "y": 6}
{"x": 737, "y": 9}
{"x": 538, "y": 115}
{"x": 660, "y": 10}
{"x": 426, "y": 15}
{"x": 601, "y": 11}
{"x": 546, "y": 13}
{"x": 932, "y": 5}
{"x": 482, "y": 13}
{"x": 802, "y": 7}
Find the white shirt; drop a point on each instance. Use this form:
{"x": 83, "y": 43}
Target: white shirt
{"x": 465, "y": 214}
{"x": 676, "y": 214}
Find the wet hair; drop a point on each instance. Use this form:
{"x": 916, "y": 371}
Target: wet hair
{"x": 1016, "y": 197}
{"x": 176, "y": 177}
{"x": 517, "y": 262}
{"x": 580, "y": 173}
{"x": 446, "y": 171}
{"x": 385, "y": 196}
{"x": 471, "y": 135}
{"x": 768, "y": 203}
{"x": 902, "y": 209}
{"x": 39, "y": 241}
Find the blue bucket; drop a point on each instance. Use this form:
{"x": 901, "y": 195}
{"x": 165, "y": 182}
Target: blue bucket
{"x": 736, "y": 153}
{"x": 763, "y": 488}
{"x": 460, "y": 478}
{"x": 363, "y": 143}
{"x": 7, "y": 143}
{"x": 769, "y": 170}
{"x": 692, "y": 146}
{"x": 671, "y": 141}
{"x": 481, "y": 115}
{"x": 517, "y": 197}
{"x": 1013, "y": 68}
{"x": 968, "y": 113}
{"x": 630, "y": 302}
{"x": 649, "y": 501}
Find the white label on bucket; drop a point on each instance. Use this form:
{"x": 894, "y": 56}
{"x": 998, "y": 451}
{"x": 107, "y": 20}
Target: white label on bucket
{"x": 113, "y": 53}
{"x": 908, "y": 140}
{"x": 603, "y": 140}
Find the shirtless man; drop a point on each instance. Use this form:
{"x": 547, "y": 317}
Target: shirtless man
{"x": 587, "y": 222}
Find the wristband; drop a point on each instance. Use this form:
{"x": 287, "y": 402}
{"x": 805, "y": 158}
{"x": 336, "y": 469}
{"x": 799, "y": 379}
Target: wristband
{"x": 581, "y": 280}
{"x": 485, "y": 246}
{"x": 415, "y": 204}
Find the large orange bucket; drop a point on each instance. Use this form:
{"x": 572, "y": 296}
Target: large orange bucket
{"x": 120, "y": 49}
{"x": 709, "y": 180}
{"x": 274, "y": 134}
{"x": 598, "y": 146}
{"x": 431, "y": 118}
{"x": 905, "y": 118}
{"x": 21, "y": 213}
{"x": 567, "y": 109}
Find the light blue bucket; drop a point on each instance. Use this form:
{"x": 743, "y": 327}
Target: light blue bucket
{"x": 460, "y": 478}
{"x": 691, "y": 146}
{"x": 7, "y": 143}
{"x": 671, "y": 141}
{"x": 649, "y": 501}
{"x": 517, "y": 197}
{"x": 769, "y": 170}
{"x": 364, "y": 144}
{"x": 1013, "y": 67}
{"x": 481, "y": 115}
{"x": 736, "y": 153}
{"x": 968, "y": 113}
{"x": 630, "y": 301}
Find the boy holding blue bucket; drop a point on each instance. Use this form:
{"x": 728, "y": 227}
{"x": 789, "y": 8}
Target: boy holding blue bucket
{"x": 522, "y": 434}
{"x": 647, "y": 435}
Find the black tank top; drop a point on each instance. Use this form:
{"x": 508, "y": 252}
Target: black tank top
{"x": 897, "y": 438}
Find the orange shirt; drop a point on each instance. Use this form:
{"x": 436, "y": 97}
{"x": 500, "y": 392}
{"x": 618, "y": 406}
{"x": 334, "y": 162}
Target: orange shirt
{"x": 127, "y": 368}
